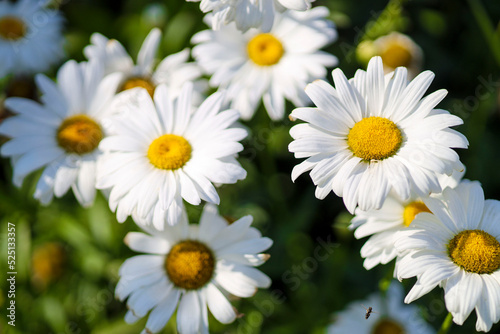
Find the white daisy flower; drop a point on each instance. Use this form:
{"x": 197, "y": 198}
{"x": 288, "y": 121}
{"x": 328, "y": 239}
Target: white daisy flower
{"x": 246, "y": 14}
{"x": 269, "y": 66}
{"x": 167, "y": 153}
{"x": 174, "y": 70}
{"x": 383, "y": 224}
{"x": 373, "y": 134}
{"x": 63, "y": 133}
{"x": 192, "y": 267}
{"x": 30, "y": 37}
{"x": 458, "y": 248}
{"x": 388, "y": 316}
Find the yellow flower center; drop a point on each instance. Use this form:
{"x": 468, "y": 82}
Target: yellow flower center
{"x": 12, "y": 28}
{"x": 169, "y": 152}
{"x": 413, "y": 209}
{"x": 396, "y": 55}
{"x": 190, "y": 264}
{"x": 475, "y": 251}
{"x": 265, "y": 50}
{"x": 387, "y": 326}
{"x": 47, "y": 263}
{"x": 139, "y": 82}
{"x": 374, "y": 138}
{"x": 79, "y": 134}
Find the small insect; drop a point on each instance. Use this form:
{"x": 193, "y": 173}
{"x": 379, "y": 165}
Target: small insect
{"x": 369, "y": 311}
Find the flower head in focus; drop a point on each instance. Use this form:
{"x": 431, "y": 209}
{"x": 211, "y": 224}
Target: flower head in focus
{"x": 373, "y": 134}
{"x": 161, "y": 151}
{"x": 458, "y": 248}
{"x": 271, "y": 67}
{"x": 190, "y": 268}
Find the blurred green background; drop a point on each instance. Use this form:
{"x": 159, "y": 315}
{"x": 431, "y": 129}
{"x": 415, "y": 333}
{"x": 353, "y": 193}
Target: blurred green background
{"x": 68, "y": 257}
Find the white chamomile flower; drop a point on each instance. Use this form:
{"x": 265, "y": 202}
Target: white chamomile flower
{"x": 160, "y": 153}
{"x": 383, "y": 224}
{"x": 458, "y": 248}
{"x": 30, "y": 37}
{"x": 389, "y": 316}
{"x": 270, "y": 66}
{"x": 373, "y": 134}
{"x": 246, "y": 14}
{"x": 63, "y": 133}
{"x": 174, "y": 70}
{"x": 190, "y": 268}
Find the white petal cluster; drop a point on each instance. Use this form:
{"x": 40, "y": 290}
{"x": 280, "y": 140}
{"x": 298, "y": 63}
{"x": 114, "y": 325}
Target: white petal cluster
{"x": 224, "y": 55}
{"x": 81, "y": 89}
{"x": 383, "y": 224}
{"x": 426, "y": 138}
{"x": 237, "y": 249}
{"x": 153, "y": 195}
{"x": 425, "y": 253}
{"x": 173, "y": 71}
{"x": 246, "y": 14}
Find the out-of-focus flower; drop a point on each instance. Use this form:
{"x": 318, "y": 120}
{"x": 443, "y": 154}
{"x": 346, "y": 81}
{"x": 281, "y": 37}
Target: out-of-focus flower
{"x": 383, "y": 224}
{"x": 173, "y": 70}
{"x": 373, "y": 134}
{"x": 18, "y": 86}
{"x": 248, "y": 14}
{"x": 166, "y": 152}
{"x": 270, "y": 66}
{"x": 397, "y": 50}
{"x": 62, "y": 133}
{"x": 365, "y": 51}
{"x": 190, "y": 268}
{"x": 389, "y": 316}
{"x": 458, "y": 248}
{"x": 47, "y": 263}
{"x": 29, "y": 44}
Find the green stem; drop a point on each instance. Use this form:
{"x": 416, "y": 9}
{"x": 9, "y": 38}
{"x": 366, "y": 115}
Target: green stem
{"x": 445, "y": 327}
{"x": 486, "y": 27}
{"x": 380, "y": 26}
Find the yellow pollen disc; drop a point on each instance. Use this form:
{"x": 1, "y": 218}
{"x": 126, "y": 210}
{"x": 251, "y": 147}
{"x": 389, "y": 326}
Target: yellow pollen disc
{"x": 12, "y": 28}
{"x": 47, "y": 263}
{"x": 374, "y": 138}
{"x": 79, "y": 134}
{"x": 413, "y": 209}
{"x": 265, "y": 50}
{"x": 396, "y": 55}
{"x": 139, "y": 82}
{"x": 190, "y": 264}
{"x": 475, "y": 251}
{"x": 387, "y": 326}
{"x": 169, "y": 152}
